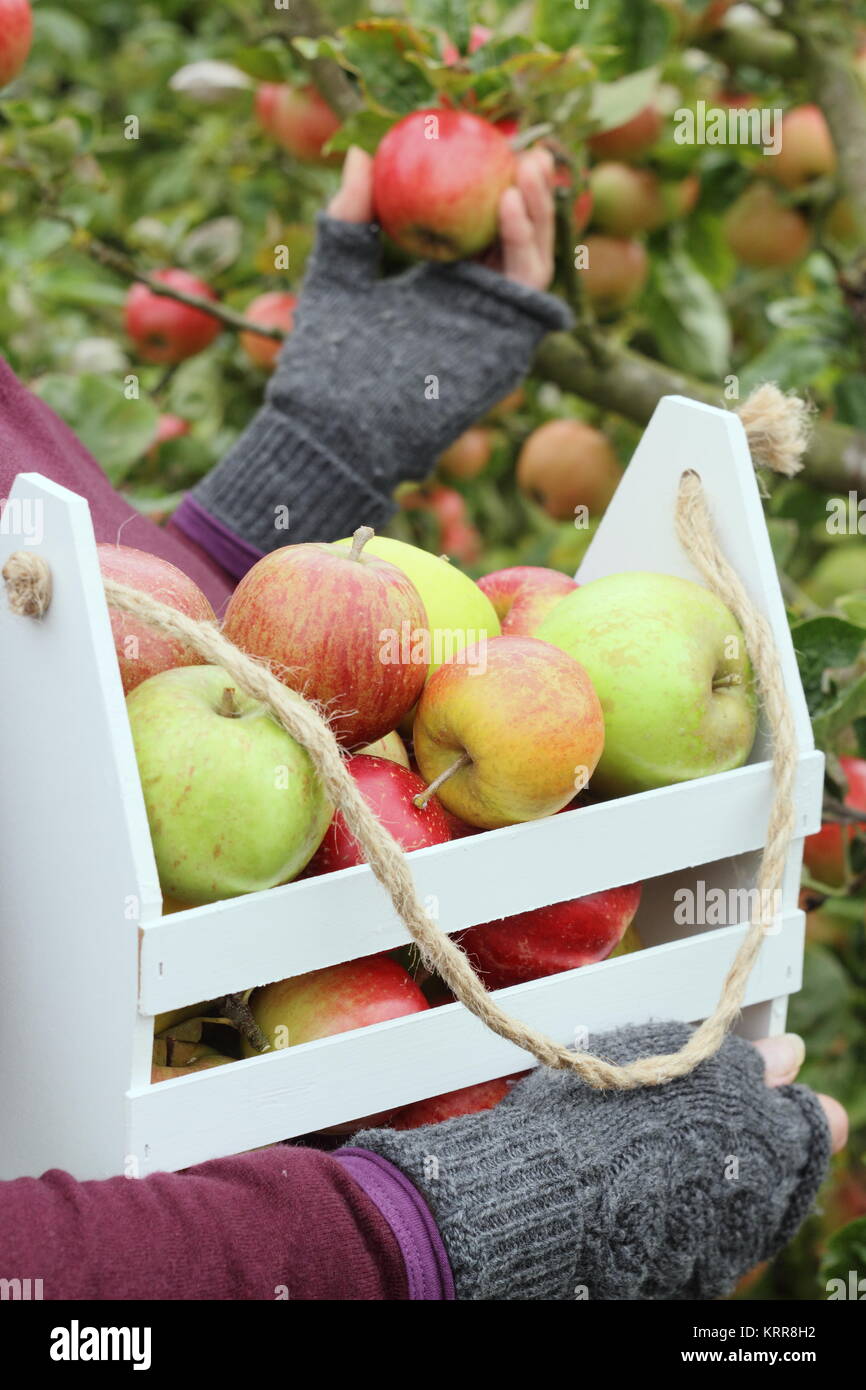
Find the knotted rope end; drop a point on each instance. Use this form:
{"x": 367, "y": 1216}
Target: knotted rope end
{"x": 28, "y": 584}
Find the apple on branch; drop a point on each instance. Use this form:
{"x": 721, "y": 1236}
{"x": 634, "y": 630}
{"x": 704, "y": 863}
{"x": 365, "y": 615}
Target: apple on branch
{"x": 390, "y": 791}
{"x": 322, "y": 616}
{"x": 523, "y": 595}
{"x": 670, "y": 666}
{"x": 276, "y": 309}
{"x": 567, "y": 464}
{"x": 509, "y": 734}
{"x": 163, "y": 329}
{"x": 299, "y": 119}
{"x": 825, "y": 853}
{"x": 142, "y": 651}
{"x": 16, "y": 35}
{"x": 234, "y": 803}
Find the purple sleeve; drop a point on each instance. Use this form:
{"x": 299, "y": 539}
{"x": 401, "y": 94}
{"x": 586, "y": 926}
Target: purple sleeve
{"x": 283, "y": 1222}
{"x": 230, "y": 551}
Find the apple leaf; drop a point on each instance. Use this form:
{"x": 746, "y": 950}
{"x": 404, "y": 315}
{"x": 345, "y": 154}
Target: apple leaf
{"x": 688, "y": 317}
{"x": 830, "y": 653}
{"x": 117, "y": 431}
{"x": 265, "y": 63}
{"x": 212, "y": 247}
{"x": 614, "y": 103}
{"x": 364, "y": 128}
{"x": 451, "y": 17}
{"x": 846, "y": 1252}
{"x": 380, "y": 53}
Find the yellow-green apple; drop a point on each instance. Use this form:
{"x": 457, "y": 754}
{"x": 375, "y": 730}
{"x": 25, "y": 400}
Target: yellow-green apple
{"x": 825, "y": 853}
{"x": 806, "y": 149}
{"x": 469, "y": 455}
{"x": 299, "y": 119}
{"x": 526, "y": 722}
{"x": 630, "y": 139}
{"x": 626, "y": 200}
{"x": 523, "y": 595}
{"x": 16, "y": 35}
{"x": 630, "y": 943}
{"x": 141, "y": 650}
{"x": 160, "y": 1072}
{"x": 615, "y": 273}
{"x": 389, "y": 791}
{"x": 164, "y": 329}
{"x": 276, "y": 309}
{"x": 438, "y": 176}
{"x": 344, "y": 627}
{"x": 469, "y": 1100}
{"x": 162, "y": 1022}
{"x": 458, "y": 613}
{"x": 391, "y": 746}
{"x": 840, "y": 571}
{"x": 566, "y": 464}
{"x": 670, "y": 666}
{"x": 551, "y": 939}
{"x": 234, "y": 803}
{"x": 762, "y": 231}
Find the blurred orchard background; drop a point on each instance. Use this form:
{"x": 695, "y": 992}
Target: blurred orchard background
{"x": 179, "y": 133}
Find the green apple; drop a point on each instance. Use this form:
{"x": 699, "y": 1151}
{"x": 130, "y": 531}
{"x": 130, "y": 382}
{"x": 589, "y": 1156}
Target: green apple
{"x": 458, "y": 613}
{"x": 234, "y": 803}
{"x": 841, "y": 570}
{"x": 669, "y": 663}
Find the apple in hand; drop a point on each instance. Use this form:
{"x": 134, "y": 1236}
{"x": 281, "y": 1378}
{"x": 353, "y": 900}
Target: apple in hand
{"x": 670, "y": 666}
{"x": 438, "y": 176}
{"x": 458, "y": 613}
{"x": 391, "y": 747}
{"x": 468, "y": 1100}
{"x": 16, "y": 34}
{"x": 342, "y": 627}
{"x": 276, "y": 309}
{"x": 548, "y": 940}
{"x": 824, "y": 853}
{"x": 141, "y": 650}
{"x": 233, "y": 802}
{"x": 389, "y": 791}
{"x": 527, "y": 722}
{"x": 163, "y": 329}
{"x": 523, "y": 595}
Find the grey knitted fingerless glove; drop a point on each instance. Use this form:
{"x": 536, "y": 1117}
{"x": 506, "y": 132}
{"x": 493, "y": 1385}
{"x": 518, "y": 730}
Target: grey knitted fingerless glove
{"x": 377, "y": 377}
{"x": 665, "y": 1193}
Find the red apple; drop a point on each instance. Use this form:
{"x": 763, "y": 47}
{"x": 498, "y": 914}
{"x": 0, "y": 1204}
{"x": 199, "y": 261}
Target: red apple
{"x": 469, "y": 1100}
{"x": 389, "y": 791}
{"x": 438, "y": 176}
{"x": 340, "y": 626}
{"x": 299, "y": 119}
{"x": 141, "y": 651}
{"x": 478, "y": 36}
{"x": 615, "y": 273}
{"x": 163, "y": 329}
{"x": 469, "y": 455}
{"x": 824, "y": 852}
{"x": 529, "y": 724}
{"x": 16, "y": 34}
{"x": 551, "y": 939}
{"x": 630, "y": 139}
{"x": 763, "y": 232}
{"x": 167, "y": 427}
{"x": 566, "y": 464}
{"x": 523, "y": 595}
{"x": 807, "y": 150}
{"x": 276, "y": 309}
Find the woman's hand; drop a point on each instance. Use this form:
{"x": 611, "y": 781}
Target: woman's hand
{"x": 783, "y": 1058}
{"x": 525, "y": 250}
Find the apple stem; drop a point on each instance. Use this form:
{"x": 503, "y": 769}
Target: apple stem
{"x": 423, "y": 797}
{"x": 725, "y": 682}
{"x": 359, "y": 540}
{"x": 235, "y": 1008}
{"x": 228, "y": 705}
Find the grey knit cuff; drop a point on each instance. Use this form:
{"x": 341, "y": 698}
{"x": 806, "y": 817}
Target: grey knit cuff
{"x": 278, "y": 486}
{"x": 665, "y": 1193}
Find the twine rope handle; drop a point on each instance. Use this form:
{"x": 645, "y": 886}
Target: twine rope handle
{"x": 28, "y": 584}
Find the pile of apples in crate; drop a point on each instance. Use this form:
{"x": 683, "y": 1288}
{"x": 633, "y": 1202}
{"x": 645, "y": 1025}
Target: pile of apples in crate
{"x": 515, "y": 695}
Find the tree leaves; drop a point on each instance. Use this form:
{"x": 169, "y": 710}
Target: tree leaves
{"x": 116, "y": 430}
{"x": 831, "y": 654}
{"x": 688, "y": 318}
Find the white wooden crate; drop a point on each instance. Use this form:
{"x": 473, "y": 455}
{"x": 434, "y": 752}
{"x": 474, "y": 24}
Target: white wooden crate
{"x": 87, "y": 960}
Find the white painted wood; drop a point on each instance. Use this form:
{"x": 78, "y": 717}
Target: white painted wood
{"x": 79, "y": 891}
{"x": 300, "y": 1089}
{"x": 76, "y": 866}
{"x": 207, "y": 951}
